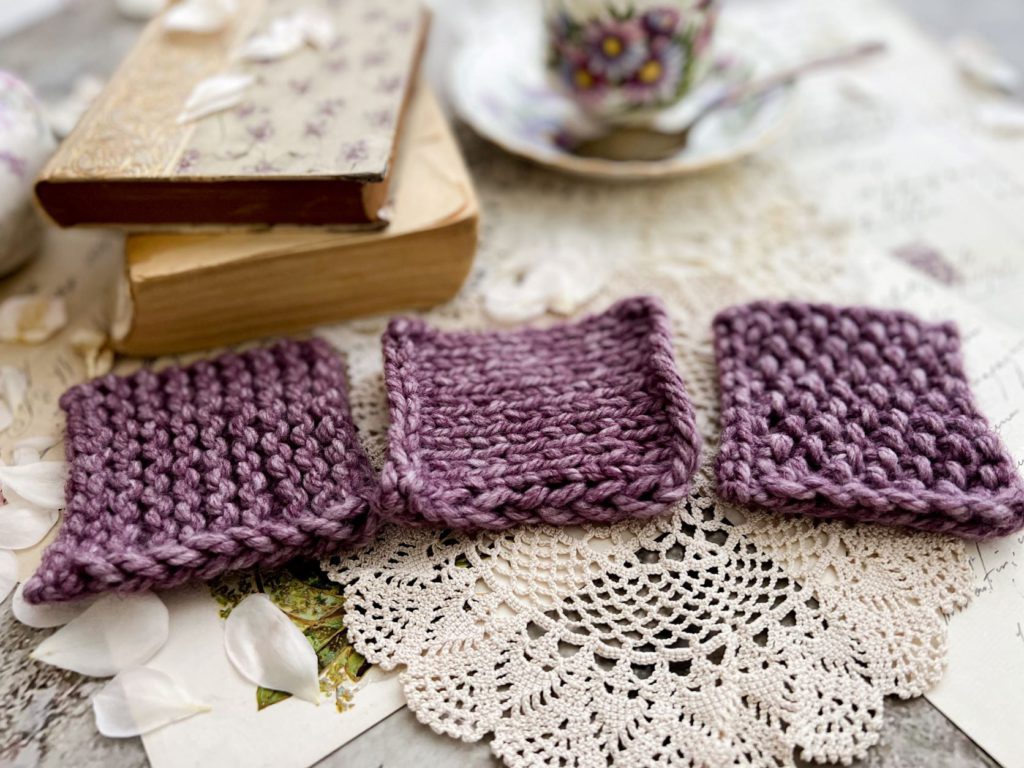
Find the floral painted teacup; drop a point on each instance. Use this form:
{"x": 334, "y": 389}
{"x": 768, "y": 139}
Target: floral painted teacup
{"x": 621, "y": 60}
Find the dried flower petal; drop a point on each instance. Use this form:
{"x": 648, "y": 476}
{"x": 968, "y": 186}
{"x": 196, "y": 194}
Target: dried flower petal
{"x": 215, "y": 94}
{"x": 63, "y": 114}
{"x": 29, "y": 450}
{"x": 8, "y": 573}
{"x": 47, "y": 615}
{"x": 31, "y": 319}
{"x": 283, "y": 37}
{"x": 317, "y": 28}
{"x": 23, "y": 525}
{"x": 114, "y": 633}
{"x": 25, "y": 455}
{"x": 268, "y": 649}
{"x": 140, "y": 700}
{"x": 202, "y": 17}
{"x": 544, "y": 287}
{"x": 40, "y": 484}
{"x": 287, "y": 34}
{"x": 979, "y": 62}
{"x": 1004, "y": 117}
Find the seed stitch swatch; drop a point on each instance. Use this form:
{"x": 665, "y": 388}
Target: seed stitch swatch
{"x": 584, "y": 422}
{"x": 193, "y": 471}
{"x": 858, "y": 413}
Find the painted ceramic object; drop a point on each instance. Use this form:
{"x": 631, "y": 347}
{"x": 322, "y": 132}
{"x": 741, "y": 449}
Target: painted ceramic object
{"x": 26, "y": 141}
{"x": 501, "y": 88}
{"x": 624, "y": 60}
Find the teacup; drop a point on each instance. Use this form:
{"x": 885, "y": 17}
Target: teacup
{"x": 625, "y": 60}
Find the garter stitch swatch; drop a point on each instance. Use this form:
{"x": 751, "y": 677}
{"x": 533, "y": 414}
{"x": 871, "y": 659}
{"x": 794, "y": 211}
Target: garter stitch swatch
{"x": 861, "y": 414}
{"x": 190, "y": 472}
{"x": 585, "y": 422}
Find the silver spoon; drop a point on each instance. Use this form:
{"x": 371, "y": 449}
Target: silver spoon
{"x": 650, "y": 143}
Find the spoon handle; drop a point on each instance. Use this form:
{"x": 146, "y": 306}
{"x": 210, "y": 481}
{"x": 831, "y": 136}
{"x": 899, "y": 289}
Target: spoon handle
{"x": 743, "y": 91}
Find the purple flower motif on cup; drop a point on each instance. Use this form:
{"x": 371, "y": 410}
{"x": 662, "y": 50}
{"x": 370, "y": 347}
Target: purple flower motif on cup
{"x": 659, "y": 77}
{"x": 634, "y": 58}
{"x": 300, "y": 87}
{"x": 661, "y": 22}
{"x": 703, "y": 37}
{"x": 614, "y": 48}
{"x": 581, "y": 79}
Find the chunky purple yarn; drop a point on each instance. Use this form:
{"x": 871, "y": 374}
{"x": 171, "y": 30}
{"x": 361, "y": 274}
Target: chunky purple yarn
{"x": 587, "y": 422}
{"x": 860, "y": 414}
{"x": 190, "y": 472}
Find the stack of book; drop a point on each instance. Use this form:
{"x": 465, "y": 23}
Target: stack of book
{"x": 330, "y": 187}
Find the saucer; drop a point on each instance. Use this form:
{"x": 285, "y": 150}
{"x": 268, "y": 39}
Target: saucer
{"x": 499, "y": 87}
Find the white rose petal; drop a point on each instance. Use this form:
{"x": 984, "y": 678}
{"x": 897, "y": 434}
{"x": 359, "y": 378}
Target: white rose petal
{"x": 23, "y": 526}
{"x": 1005, "y": 117}
{"x": 113, "y": 634}
{"x": 282, "y": 37}
{"x": 202, "y": 17}
{"x": 979, "y": 62}
{"x": 140, "y": 700}
{"x": 41, "y": 443}
{"x": 47, "y": 615}
{"x": 542, "y": 286}
{"x": 25, "y": 455}
{"x": 269, "y": 650}
{"x": 31, "y": 319}
{"x": 215, "y": 94}
{"x": 40, "y": 484}
{"x": 317, "y": 28}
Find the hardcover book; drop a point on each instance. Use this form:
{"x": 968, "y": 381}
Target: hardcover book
{"x": 185, "y": 292}
{"x": 309, "y": 141}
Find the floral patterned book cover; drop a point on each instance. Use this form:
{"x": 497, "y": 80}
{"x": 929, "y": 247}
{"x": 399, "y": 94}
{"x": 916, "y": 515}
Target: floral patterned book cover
{"x": 299, "y": 106}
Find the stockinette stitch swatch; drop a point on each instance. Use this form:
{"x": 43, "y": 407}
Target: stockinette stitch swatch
{"x": 584, "y": 422}
{"x": 861, "y": 414}
{"x": 190, "y": 472}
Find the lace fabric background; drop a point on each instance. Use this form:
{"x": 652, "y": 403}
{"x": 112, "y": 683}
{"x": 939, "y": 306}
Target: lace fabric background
{"x": 711, "y": 636}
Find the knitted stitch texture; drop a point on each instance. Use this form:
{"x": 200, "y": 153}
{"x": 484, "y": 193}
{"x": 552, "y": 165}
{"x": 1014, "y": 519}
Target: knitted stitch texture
{"x": 861, "y": 414}
{"x": 190, "y": 472}
{"x": 575, "y": 423}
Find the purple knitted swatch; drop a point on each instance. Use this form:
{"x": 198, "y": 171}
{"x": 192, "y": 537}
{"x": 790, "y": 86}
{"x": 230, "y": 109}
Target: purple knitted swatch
{"x": 191, "y": 472}
{"x": 860, "y": 414}
{"x": 586, "y": 422}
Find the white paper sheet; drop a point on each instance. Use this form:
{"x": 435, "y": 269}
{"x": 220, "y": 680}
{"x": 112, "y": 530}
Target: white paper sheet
{"x": 290, "y": 733}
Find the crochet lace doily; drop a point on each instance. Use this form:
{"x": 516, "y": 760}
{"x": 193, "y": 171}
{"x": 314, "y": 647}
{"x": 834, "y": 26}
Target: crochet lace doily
{"x": 711, "y": 636}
